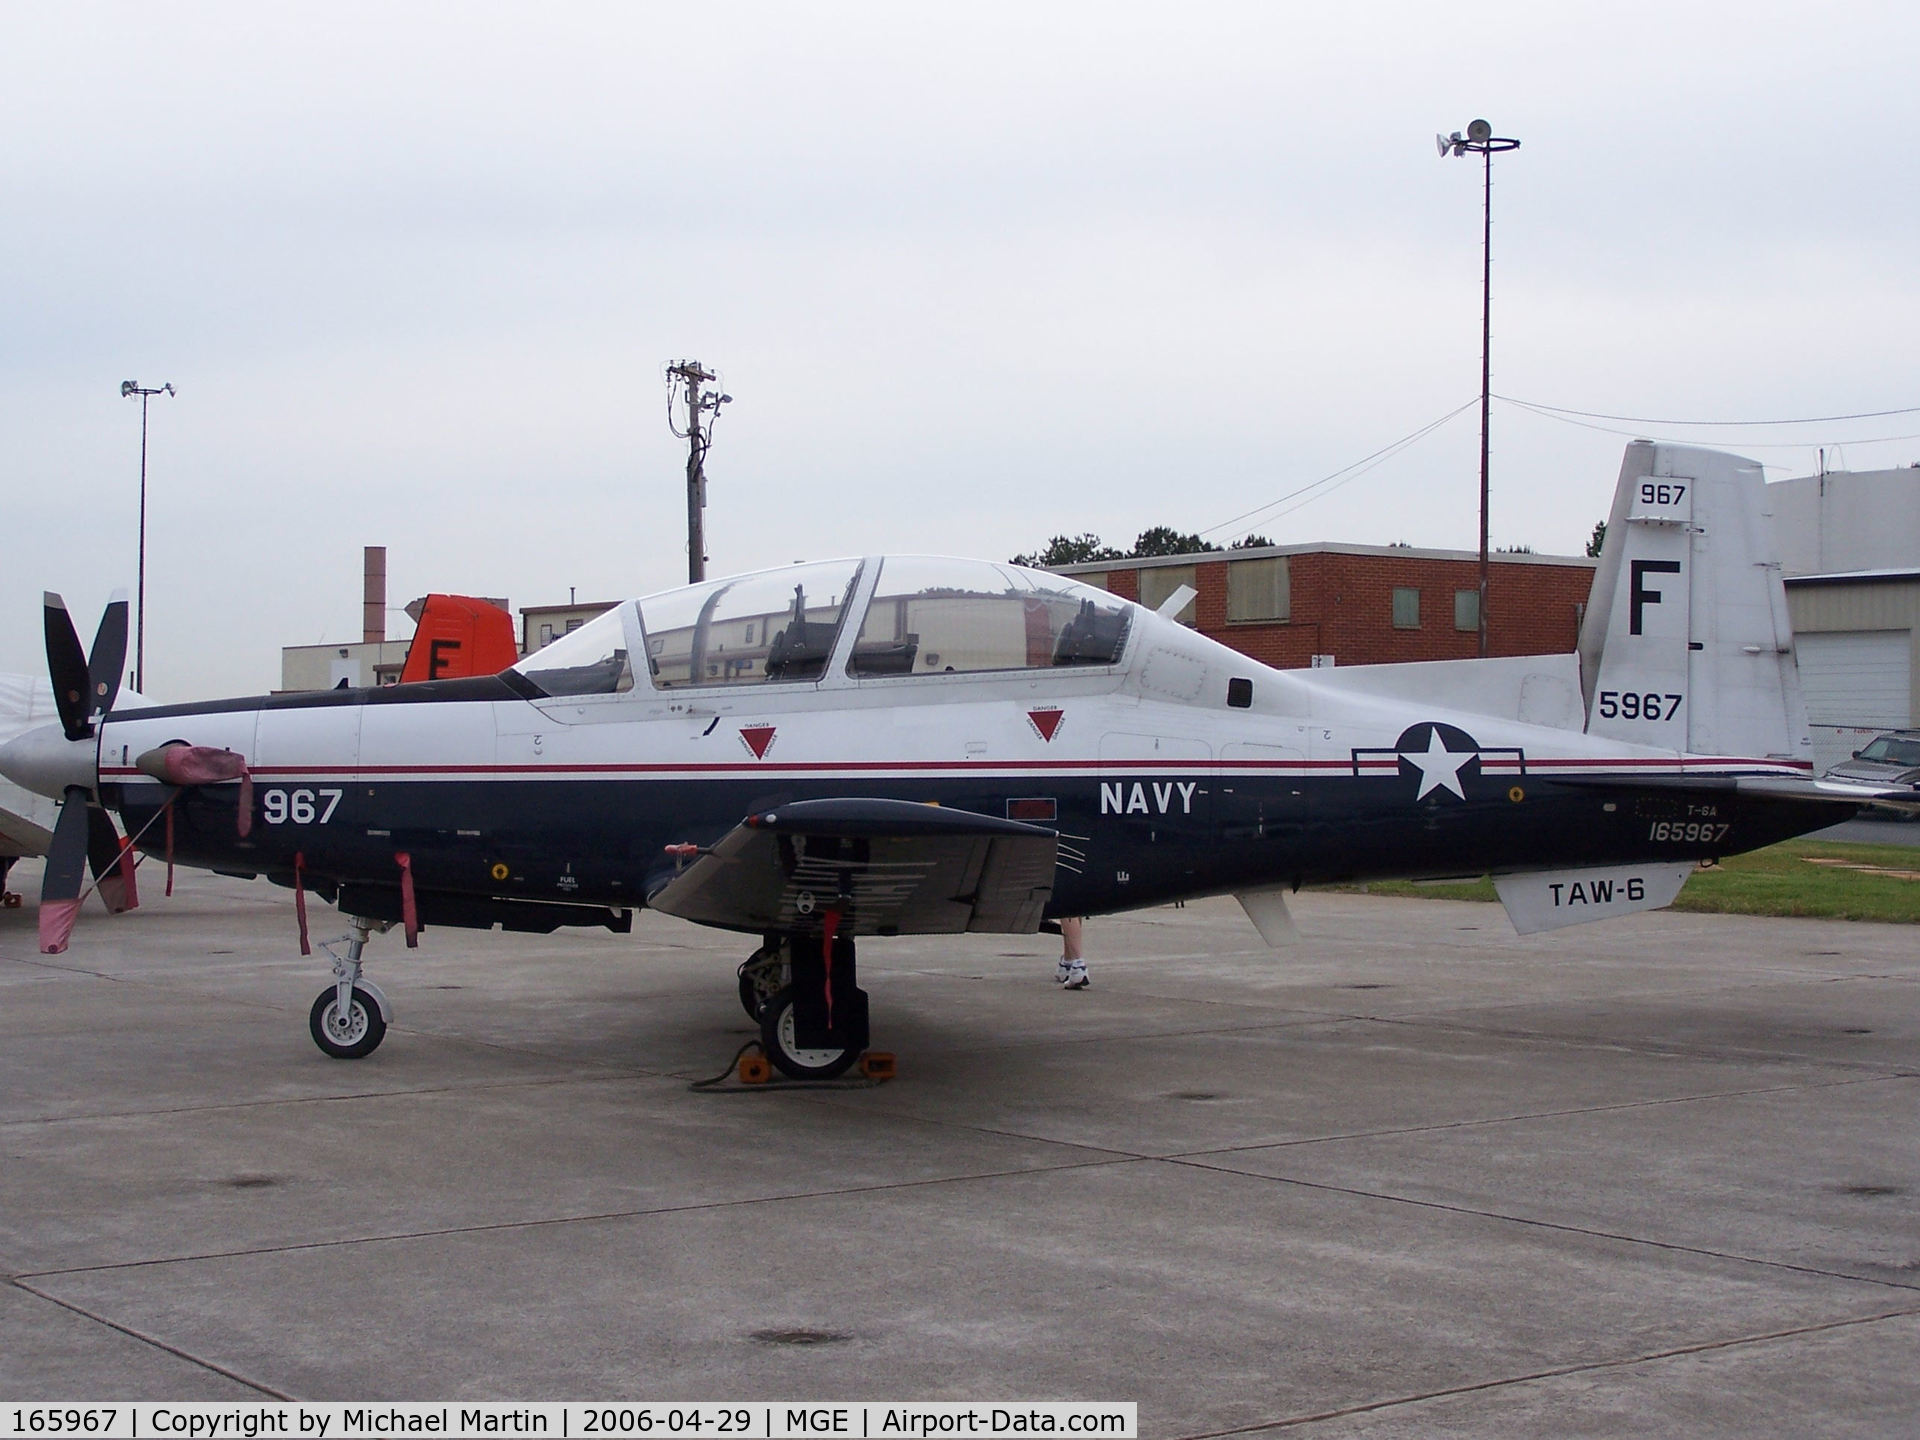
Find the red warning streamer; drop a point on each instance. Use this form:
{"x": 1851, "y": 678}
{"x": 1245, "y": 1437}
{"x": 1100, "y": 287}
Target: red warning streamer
{"x": 409, "y": 912}
{"x": 300, "y": 898}
{"x": 829, "y": 922}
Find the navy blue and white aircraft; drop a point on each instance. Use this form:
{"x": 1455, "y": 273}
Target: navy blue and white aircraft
{"x": 909, "y": 745}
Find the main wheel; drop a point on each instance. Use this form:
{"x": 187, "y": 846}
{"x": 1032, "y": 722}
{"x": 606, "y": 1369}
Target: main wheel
{"x": 352, "y": 1037}
{"x": 761, "y": 976}
{"x": 776, "y": 1036}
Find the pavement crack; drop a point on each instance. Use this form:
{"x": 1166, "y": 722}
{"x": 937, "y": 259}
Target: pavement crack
{"x": 290, "y": 1101}
{"x": 150, "y": 1340}
{"x": 1521, "y": 1117}
{"x": 1554, "y": 1373}
{"x": 589, "y": 1218}
{"x": 1673, "y": 1247}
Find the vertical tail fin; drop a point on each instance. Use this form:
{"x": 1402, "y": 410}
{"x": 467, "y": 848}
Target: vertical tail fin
{"x": 1686, "y": 642}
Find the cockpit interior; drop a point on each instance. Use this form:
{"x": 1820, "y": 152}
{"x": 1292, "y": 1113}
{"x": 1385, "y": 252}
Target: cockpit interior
{"x": 922, "y": 615}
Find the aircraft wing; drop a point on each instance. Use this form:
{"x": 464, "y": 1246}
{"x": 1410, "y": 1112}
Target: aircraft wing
{"x": 888, "y": 867}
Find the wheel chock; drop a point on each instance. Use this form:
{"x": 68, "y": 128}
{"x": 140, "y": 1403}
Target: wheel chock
{"x": 755, "y": 1070}
{"x": 877, "y": 1065}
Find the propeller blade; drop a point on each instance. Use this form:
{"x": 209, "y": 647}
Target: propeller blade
{"x": 107, "y": 662}
{"x": 67, "y": 666}
{"x": 66, "y": 873}
{"x": 112, "y": 875}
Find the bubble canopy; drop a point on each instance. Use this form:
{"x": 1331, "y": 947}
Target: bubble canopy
{"x": 589, "y": 661}
{"x": 930, "y": 615}
{"x": 925, "y": 615}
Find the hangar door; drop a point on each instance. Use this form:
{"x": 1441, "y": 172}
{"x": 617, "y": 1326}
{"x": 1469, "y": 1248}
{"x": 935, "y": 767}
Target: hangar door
{"x": 1857, "y": 677}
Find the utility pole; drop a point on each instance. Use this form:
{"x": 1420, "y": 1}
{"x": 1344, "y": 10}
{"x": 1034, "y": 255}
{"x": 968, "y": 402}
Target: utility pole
{"x": 702, "y": 411}
{"x": 130, "y": 388}
{"x": 1480, "y": 140}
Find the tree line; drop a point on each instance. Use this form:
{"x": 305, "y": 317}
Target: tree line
{"x": 1155, "y": 540}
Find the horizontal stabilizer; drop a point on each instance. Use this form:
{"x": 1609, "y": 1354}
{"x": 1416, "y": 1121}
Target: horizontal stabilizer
{"x": 1555, "y": 899}
{"x": 1771, "y": 787}
{"x": 1829, "y": 792}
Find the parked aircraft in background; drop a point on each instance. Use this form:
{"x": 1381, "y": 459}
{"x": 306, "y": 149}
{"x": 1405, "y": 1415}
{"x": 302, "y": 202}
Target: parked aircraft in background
{"x": 456, "y": 636}
{"x": 26, "y": 819}
{"x": 908, "y": 745}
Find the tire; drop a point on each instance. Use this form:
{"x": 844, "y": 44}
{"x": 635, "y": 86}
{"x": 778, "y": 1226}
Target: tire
{"x": 776, "y": 1036}
{"x": 761, "y": 976}
{"x": 358, "y": 1037}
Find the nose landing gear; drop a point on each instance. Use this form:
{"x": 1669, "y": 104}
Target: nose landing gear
{"x": 349, "y": 1018}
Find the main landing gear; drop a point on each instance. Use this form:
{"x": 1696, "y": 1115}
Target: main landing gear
{"x": 349, "y": 1018}
{"x": 813, "y": 1016}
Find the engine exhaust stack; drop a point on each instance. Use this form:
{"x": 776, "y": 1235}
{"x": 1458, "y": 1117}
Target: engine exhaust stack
{"x": 373, "y": 623}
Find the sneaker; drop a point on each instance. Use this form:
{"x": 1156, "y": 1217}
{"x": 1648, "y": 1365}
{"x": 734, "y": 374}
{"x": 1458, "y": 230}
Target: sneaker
{"x": 1062, "y": 973}
{"x": 1076, "y": 978}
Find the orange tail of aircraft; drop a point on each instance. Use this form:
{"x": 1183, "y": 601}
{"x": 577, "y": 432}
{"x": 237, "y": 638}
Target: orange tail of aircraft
{"x": 458, "y": 635}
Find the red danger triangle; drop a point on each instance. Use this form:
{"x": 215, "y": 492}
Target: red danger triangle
{"x": 758, "y": 738}
{"x": 1046, "y": 721}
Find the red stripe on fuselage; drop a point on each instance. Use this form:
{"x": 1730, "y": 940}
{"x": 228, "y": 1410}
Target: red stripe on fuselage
{"x": 1693, "y": 765}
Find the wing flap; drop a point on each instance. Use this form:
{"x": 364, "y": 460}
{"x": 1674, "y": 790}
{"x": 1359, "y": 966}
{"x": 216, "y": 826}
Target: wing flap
{"x": 887, "y": 867}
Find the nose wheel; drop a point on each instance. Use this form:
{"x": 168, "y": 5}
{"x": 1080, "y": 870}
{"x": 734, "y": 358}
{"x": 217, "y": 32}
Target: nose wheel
{"x": 351, "y": 1034}
{"x": 349, "y": 1018}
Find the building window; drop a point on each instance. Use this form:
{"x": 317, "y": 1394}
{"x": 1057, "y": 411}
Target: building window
{"x": 1466, "y": 610}
{"x": 1406, "y": 608}
{"x": 1259, "y": 589}
{"x": 1157, "y": 582}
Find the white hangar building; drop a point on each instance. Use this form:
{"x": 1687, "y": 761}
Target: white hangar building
{"x": 1850, "y": 543}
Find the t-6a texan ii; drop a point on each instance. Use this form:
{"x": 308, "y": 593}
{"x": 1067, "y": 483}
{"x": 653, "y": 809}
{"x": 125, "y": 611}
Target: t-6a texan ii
{"x": 909, "y": 745}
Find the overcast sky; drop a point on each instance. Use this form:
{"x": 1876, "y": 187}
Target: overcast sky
{"x": 975, "y": 275}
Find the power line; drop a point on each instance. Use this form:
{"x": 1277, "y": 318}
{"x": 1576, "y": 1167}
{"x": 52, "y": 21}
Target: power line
{"x": 1564, "y": 417}
{"x": 1350, "y": 472}
{"x": 1711, "y": 424}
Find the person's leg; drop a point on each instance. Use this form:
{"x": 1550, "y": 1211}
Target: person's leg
{"x": 1073, "y": 965}
{"x": 1069, "y": 947}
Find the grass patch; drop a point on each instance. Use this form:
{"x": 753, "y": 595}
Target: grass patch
{"x": 1809, "y": 878}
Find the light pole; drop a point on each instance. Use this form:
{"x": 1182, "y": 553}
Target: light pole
{"x": 1480, "y": 140}
{"x": 127, "y": 388}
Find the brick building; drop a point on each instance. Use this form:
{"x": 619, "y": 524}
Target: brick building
{"x": 1362, "y": 604}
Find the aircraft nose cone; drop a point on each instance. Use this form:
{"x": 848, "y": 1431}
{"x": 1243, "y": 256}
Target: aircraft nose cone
{"x": 46, "y": 762}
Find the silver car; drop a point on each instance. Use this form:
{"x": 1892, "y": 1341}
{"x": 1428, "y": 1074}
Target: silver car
{"x": 1890, "y": 759}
